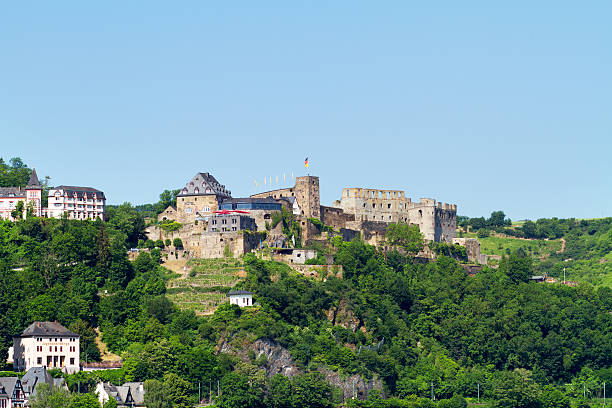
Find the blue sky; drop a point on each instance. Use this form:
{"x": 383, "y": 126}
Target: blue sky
{"x": 484, "y": 105}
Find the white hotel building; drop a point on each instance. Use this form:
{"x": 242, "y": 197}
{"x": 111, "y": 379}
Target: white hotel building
{"x": 46, "y": 344}
{"x": 80, "y": 203}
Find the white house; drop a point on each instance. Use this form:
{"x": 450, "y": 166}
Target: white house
{"x": 241, "y": 298}
{"x": 46, "y": 344}
{"x": 81, "y": 203}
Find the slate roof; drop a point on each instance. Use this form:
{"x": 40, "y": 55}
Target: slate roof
{"x": 33, "y": 183}
{"x": 47, "y": 329}
{"x": 8, "y": 383}
{"x": 35, "y": 376}
{"x": 70, "y": 190}
{"x": 204, "y": 184}
{"x": 12, "y": 192}
{"x": 239, "y": 292}
{"x": 137, "y": 390}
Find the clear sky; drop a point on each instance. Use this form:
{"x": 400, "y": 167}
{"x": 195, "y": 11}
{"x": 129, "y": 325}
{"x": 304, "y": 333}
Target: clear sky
{"x": 484, "y": 105}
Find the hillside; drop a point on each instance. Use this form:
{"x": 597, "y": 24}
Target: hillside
{"x": 203, "y": 284}
{"x": 582, "y": 247}
{"x": 385, "y": 332}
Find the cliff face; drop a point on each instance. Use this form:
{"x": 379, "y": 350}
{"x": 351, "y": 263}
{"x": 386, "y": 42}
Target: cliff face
{"x": 362, "y": 386}
{"x": 278, "y": 360}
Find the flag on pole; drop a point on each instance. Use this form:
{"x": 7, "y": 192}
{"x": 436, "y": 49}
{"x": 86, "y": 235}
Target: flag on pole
{"x": 306, "y": 162}
{"x": 255, "y": 183}
{"x": 292, "y": 176}
{"x": 265, "y": 181}
{"x": 276, "y": 179}
{"x": 284, "y": 178}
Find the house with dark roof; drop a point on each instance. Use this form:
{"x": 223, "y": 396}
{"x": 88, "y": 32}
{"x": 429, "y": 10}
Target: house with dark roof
{"x": 200, "y": 196}
{"x": 81, "y": 203}
{"x": 242, "y": 298}
{"x": 30, "y": 195}
{"x": 36, "y": 376}
{"x": 130, "y": 394}
{"x": 46, "y": 344}
{"x": 11, "y": 393}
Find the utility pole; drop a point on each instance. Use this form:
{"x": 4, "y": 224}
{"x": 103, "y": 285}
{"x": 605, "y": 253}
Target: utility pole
{"x": 199, "y": 393}
{"x": 584, "y": 390}
{"x": 604, "y": 393}
{"x": 564, "y": 276}
{"x": 433, "y": 398}
{"x": 218, "y": 388}
{"x": 209, "y": 391}
{"x": 478, "y": 384}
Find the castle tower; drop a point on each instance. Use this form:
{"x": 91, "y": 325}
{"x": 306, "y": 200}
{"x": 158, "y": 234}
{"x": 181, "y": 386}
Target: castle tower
{"x": 307, "y": 194}
{"x": 34, "y": 194}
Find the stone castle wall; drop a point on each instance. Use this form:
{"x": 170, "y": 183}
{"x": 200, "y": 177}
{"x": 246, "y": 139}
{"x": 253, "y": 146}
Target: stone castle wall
{"x": 436, "y": 221}
{"x": 305, "y": 191}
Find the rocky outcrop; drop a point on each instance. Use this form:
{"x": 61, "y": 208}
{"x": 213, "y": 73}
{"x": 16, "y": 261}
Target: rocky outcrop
{"x": 343, "y": 315}
{"x": 278, "y": 359}
{"x": 353, "y": 383}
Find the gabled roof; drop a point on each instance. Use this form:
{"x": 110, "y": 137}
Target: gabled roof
{"x": 35, "y": 376}
{"x": 71, "y": 190}
{"x": 204, "y": 184}
{"x": 47, "y": 329}
{"x": 33, "y": 183}
{"x": 9, "y": 384}
{"x": 137, "y": 391}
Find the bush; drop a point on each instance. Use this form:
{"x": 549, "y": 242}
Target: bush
{"x": 178, "y": 243}
{"x": 454, "y": 402}
{"x": 483, "y": 233}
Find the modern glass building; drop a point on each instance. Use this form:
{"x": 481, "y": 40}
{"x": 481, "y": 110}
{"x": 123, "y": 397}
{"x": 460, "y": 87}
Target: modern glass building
{"x": 246, "y": 204}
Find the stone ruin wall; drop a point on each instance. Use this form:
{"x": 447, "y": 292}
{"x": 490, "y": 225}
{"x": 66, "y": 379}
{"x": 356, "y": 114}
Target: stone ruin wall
{"x": 436, "y": 221}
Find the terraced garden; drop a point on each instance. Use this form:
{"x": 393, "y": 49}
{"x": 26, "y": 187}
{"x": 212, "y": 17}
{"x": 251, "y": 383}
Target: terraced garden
{"x": 204, "y": 284}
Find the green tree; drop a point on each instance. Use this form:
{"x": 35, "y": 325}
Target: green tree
{"x": 310, "y": 390}
{"x": 177, "y": 390}
{"x": 155, "y": 395}
{"x": 84, "y": 401}
{"x": 178, "y": 243}
{"x": 516, "y": 389}
{"x": 405, "y": 236}
{"x": 50, "y": 398}
{"x": 17, "y": 213}
{"x": 281, "y": 392}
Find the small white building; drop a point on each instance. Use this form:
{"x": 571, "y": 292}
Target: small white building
{"x": 241, "y": 298}
{"x": 46, "y": 344}
{"x": 300, "y": 256}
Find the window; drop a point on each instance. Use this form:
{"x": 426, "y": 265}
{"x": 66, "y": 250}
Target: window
{"x": 233, "y": 220}
{"x": 224, "y": 221}
{"x": 39, "y": 360}
{"x": 233, "y": 228}
{"x": 71, "y": 360}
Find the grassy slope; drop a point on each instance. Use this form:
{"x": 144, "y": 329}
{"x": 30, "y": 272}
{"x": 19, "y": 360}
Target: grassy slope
{"x": 498, "y": 246}
{"x": 205, "y": 286}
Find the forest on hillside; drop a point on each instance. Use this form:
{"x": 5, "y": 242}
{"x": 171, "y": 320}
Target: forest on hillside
{"x": 406, "y": 326}
{"x": 392, "y": 332}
